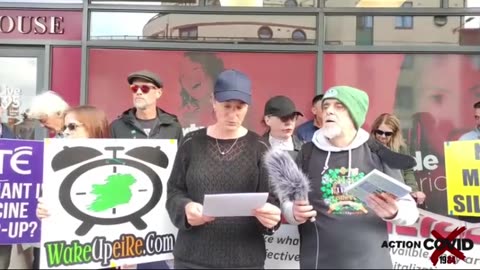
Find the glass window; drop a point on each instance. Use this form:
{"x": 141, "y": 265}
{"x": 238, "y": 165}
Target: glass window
{"x": 385, "y": 30}
{"x": 404, "y": 22}
{"x": 463, "y": 3}
{"x": 470, "y": 21}
{"x": 17, "y": 88}
{"x": 47, "y": 1}
{"x": 262, "y": 3}
{"x": 365, "y": 22}
{"x": 433, "y": 100}
{"x": 189, "y": 76}
{"x": 383, "y": 3}
{"x": 148, "y": 2}
{"x": 189, "y": 32}
{"x": 299, "y": 35}
{"x": 202, "y": 27}
{"x": 265, "y": 32}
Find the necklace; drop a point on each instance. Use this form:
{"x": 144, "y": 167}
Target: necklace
{"x": 225, "y": 152}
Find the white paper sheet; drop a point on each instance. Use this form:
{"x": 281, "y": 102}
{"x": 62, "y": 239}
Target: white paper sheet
{"x": 233, "y": 204}
{"x": 377, "y": 182}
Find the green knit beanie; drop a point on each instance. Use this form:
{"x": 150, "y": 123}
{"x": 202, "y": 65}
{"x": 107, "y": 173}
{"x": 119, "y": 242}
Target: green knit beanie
{"x": 355, "y": 100}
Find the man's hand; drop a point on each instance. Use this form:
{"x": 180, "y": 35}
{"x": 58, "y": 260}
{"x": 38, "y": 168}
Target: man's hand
{"x": 302, "y": 211}
{"x": 384, "y": 205}
{"x": 269, "y": 215}
{"x": 419, "y": 197}
{"x": 194, "y": 213}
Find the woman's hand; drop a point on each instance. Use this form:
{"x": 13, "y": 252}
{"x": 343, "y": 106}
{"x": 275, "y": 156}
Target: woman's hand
{"x": 194, "y": 213}
{"x": 42, "y": 211}
{"x": 268, "y": 215}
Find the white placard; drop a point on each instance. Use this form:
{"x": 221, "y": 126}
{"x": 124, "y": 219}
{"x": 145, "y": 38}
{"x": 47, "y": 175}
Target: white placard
{"x": 106, "y": 199}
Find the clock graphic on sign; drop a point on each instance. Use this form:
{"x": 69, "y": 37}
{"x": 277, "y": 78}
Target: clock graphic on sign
{"x": 109, "y": 190}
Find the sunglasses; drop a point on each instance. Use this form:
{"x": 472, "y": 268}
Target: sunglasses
{"x": 381, "y": 133}
{"x": 144, "y": 88}
{"x": 71, "y": 126}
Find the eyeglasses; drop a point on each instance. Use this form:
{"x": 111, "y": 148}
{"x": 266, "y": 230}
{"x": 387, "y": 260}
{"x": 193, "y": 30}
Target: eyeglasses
{"x": 144, "y": 88}
{"x": 71, "y": 126}
{"x": 381, "y": 133}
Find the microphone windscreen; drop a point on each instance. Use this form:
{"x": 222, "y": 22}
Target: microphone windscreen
{"x": 287, "y": 180}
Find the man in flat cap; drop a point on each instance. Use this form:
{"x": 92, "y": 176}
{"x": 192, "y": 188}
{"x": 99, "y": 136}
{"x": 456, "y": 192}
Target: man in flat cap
{"x": 145, "y": 120}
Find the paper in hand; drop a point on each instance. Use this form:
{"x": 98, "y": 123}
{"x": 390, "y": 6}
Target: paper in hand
{"x": 377, "y": 182}
{"x": 233, "y": 204}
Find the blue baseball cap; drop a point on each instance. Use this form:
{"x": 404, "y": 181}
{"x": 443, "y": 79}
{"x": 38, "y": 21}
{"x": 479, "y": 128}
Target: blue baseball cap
{"x": 233, "y": 85}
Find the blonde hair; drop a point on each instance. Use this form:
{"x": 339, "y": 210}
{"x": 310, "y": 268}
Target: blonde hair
{"x": 47, "y": 104}
{"x": 397, "y": 141}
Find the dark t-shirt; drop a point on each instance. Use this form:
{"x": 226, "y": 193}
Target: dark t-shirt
{"x": 147, "y": 125}
{"x": 346, "y": 234}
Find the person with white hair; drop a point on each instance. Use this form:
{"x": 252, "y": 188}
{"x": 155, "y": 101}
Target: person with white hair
{"x": 49, "y": 109}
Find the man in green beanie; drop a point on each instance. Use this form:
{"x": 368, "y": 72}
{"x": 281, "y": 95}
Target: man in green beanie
{"x": 346, "y": 233}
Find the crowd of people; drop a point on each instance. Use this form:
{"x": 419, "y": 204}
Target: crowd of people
{"x": 226, "y": 157}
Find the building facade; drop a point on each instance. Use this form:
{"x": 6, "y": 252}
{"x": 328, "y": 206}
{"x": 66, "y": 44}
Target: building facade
{"x": 418, "y": 59}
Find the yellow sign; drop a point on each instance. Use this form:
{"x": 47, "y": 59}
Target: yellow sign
{"x": 462, "y": 166}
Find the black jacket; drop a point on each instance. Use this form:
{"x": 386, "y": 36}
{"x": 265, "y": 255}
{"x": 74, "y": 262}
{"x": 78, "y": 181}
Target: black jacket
{"x": 126, "y": 126}
{"x": 297, "y": 144}
{"x": 7, "y": 133}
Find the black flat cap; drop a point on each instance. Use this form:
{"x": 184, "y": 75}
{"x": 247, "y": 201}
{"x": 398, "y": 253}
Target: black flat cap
{"x": 145, "y": 75}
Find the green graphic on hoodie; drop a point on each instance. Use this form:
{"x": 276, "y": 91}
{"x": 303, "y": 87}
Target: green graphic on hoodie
{"x": 339, "y": 202}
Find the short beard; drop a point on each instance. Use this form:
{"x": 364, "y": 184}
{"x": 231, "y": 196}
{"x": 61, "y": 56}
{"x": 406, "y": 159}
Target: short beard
{"x": 332, "y": 131}
{"x": 141, "y": 107}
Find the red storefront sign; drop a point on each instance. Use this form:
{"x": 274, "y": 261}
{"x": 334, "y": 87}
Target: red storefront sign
{"x": 41, "y": 24}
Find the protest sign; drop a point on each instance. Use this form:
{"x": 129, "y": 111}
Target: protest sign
{"x": 462, "y": 162}
{"x": 20, "y": 184}
{"x": 283, "y": 248}
{"x": 106, "y": 199}
{"x": 284, "y": 254}
{"x": 424, "y": 231}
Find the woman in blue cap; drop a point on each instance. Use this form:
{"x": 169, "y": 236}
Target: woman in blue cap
{"x": 224, "y": 157}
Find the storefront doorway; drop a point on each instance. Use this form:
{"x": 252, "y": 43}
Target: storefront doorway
{"x": 22, "y": 76}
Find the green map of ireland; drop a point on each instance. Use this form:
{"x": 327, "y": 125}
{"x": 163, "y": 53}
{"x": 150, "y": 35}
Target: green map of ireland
{"x": 116, "y": 191}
